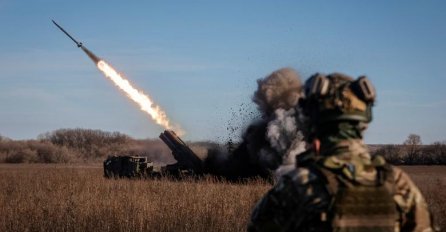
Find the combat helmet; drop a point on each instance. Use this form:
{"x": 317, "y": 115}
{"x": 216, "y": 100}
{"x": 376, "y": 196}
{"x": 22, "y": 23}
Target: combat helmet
{"x": 337, "y": 97}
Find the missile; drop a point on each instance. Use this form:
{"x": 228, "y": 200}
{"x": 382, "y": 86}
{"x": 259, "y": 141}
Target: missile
{"x": 66, "y": 33}
{"x": 79, "y": 45}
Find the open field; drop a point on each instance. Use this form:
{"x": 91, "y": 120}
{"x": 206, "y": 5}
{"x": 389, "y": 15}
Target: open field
{"x": 432, "y": 182}
{"x": 78, "y": 198}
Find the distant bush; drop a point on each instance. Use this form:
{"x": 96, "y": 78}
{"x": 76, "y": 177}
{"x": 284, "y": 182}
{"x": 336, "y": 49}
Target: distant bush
{"x": 434, "y": 154}
{"x": 86, "y": 145}
{"x": 80, "y": 145}
{"x": 32, "y": 151}
{"x": 90, "y": 143}
{"x": 392, "y": 153}
{"x": 22, "y": 156}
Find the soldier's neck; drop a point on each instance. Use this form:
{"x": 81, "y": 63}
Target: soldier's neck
{"x": 339, "y": 137}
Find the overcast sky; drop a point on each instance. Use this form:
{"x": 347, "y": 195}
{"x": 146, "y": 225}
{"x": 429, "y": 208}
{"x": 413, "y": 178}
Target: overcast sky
{"x": 199, "y": 60}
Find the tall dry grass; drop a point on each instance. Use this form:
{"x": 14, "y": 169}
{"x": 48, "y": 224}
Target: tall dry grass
{"x": 63, "y": 198}
{"x": 77, "y": 198}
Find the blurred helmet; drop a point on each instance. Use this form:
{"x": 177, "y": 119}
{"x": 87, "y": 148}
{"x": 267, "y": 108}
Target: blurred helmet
{"x": 337, "y": 97}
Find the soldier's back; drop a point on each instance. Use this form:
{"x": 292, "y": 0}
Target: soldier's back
{"x": 315, "y": 198}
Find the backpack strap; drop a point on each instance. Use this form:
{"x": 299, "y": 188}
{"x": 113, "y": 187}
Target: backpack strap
{"x": 383, "y": 168}
{"x": 331, "y": 184}
{"x": 331, "y": 180}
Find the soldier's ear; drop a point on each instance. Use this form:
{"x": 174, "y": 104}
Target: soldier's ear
{"x": 316, "y": 145}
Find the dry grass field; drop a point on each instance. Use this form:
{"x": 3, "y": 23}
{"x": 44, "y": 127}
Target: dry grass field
{"x": 78, "y": 198}
{"x": 64, "y": 198}
{"x": 432, "y": 182}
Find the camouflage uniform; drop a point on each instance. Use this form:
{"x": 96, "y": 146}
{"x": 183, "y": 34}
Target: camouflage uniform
{"x": 300, "y": 199}
{"x": 340, "y": 187}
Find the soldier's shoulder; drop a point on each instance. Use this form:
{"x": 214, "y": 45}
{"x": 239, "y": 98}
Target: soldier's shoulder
{"x": 397, "y": 171}
{"x": 299, "y": 177}
{"x": 401, "y": 178}
{"x": 411, "y": 201}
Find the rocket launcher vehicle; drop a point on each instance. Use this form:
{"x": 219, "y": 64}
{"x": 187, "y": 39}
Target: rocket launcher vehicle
{"x": 187, "y": 159}
{"x": 129, "y": 166}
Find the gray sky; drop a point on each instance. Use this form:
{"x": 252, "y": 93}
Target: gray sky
{"x": 199, "y": 60}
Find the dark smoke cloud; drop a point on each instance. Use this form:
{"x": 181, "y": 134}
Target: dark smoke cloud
{"x": 271, "y": 143}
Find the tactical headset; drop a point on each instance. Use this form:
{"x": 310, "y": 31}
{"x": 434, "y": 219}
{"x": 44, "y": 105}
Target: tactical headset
{"x": 338, "y": 97}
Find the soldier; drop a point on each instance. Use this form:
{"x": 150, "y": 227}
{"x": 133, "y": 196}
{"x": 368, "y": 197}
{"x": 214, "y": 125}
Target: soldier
{"x": 337, "y": 185}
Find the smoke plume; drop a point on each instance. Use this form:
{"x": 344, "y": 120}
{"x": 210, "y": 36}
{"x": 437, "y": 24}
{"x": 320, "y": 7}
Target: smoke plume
{"x": 269, "y": 144}
{"x": 285, "y": 137}
{"x": 277, "y": 96}
{"x": 279, "y": 90}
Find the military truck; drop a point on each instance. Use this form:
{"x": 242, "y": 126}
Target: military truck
{"x": 188, "y": 162}
{"x": 127, "y": 166}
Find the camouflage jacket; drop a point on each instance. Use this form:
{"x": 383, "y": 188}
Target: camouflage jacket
{"x": 296, "y": 202}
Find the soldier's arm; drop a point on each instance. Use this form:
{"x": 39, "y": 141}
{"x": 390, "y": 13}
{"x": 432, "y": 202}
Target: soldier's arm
{"x": 287, "y": 205}
{"x": 414, "y": 209}
{"x": 263, "y": 216}
{"x": 271, "y": 211}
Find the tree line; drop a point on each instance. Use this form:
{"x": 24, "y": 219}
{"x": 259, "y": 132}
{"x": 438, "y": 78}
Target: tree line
{"x": 79, "y": 146}
{"x": 86, "y": 145}
{"x": 413, "y": 152}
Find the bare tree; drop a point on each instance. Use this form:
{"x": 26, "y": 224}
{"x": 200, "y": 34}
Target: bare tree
{"x": 412, "y": 146}
{"x": 413, "y": 140}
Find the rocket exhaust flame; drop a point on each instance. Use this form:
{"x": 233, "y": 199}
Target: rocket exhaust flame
{"x": 92, "y": 56}
{"x": 145, "y": 103}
